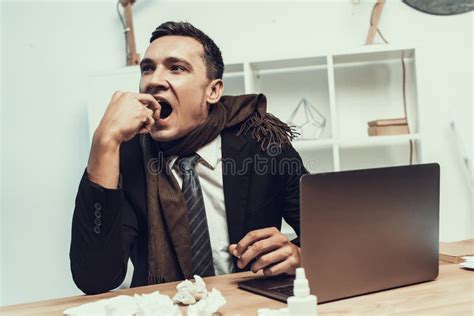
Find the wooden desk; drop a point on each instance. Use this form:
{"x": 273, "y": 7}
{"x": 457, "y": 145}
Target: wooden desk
{"x": 452, "y": 293}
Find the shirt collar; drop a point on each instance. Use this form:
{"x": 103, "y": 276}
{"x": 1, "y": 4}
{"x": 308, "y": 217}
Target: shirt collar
{"x": 209, "y": 153}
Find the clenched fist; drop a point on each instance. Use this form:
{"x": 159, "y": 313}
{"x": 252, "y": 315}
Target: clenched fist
{"x": 269, "y": 250}
{"x": 126, "y": 115}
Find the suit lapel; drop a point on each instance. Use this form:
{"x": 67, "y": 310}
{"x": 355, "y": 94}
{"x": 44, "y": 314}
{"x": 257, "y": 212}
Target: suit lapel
{"x": 235, "y": 175}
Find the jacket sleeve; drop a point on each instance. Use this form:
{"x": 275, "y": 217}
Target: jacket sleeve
{"x": 104, "y": 227}
{"x": 292, "y": 169}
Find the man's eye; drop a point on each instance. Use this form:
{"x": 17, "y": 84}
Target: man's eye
{"x": 146, "y": 69}
{"x": 177, "y": 68}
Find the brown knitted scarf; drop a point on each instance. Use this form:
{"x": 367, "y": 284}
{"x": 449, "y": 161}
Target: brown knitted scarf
{"x": 169, "y": 245}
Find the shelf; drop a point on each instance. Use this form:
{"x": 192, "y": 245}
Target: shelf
{"x": 233, "y": 75}
{"x": 373, "y": 92}
{"x": 364, "y": 157}
{"x": 285, "y": 89}
{"x": 289, "y": 70}
{"x": 232, "y": 71}
{"x": 375, "y": 56}
{"x": 369, "y": 141}
{"x": 311, "y": 144}
{"x": 289, "y": 65}
{"x": 373, "y": 141}
{"x": 233, "y": 68}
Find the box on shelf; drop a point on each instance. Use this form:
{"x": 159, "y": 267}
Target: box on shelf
{"x": 397, "y": 126}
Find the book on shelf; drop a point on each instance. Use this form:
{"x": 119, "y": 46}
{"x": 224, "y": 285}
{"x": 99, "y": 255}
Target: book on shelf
{"x": 454, "y": 251}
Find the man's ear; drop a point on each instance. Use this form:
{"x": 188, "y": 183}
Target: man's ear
{"x": 214, "y": 91}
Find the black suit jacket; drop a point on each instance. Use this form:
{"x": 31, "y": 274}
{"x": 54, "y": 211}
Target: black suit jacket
{"x": 110, "y": 226}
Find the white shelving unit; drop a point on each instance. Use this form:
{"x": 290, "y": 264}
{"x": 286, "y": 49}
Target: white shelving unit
{"x": 348, "y": 88}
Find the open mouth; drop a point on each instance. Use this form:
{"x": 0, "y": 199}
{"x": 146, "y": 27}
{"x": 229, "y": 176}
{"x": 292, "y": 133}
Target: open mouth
{"x": 166, "y": 109}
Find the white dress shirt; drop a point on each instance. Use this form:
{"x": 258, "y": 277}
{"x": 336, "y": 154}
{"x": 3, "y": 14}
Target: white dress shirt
{"x": 209, "y": 171}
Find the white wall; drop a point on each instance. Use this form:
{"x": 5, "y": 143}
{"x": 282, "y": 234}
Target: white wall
{"x": 49, "y": 48}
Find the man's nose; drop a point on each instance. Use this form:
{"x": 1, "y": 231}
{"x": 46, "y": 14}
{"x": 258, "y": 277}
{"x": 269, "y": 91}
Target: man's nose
{"x": 158, "y": 81}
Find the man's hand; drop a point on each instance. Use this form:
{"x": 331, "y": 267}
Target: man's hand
{"x": 267, "y": 249}
{"x": 127, "y": 115}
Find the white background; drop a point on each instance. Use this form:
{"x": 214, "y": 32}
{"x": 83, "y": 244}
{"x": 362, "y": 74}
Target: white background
{"x": 48, "y": 49}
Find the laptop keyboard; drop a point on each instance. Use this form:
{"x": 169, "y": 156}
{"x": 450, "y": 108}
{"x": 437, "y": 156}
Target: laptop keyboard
{"x": 285, "y": 289}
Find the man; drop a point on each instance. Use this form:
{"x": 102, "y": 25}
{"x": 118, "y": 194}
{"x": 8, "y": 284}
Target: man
{"x": 183, "y": 180}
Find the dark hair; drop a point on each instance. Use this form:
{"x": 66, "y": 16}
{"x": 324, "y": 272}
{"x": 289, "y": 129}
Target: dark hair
{"x": 212, "y": 54}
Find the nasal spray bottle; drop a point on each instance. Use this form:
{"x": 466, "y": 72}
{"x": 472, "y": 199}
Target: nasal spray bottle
{"x": 302, "y": 303}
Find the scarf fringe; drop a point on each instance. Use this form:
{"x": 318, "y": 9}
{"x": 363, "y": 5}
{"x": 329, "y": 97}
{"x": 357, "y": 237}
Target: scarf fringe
{"x": 153, "y": 279}
{"x": 268, "y": 130}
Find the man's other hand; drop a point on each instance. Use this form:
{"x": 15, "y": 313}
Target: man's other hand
{"x": 267, "y": 249}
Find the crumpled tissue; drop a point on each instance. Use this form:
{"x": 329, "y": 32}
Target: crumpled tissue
{"x": 190, "y": 292}
{"x": 208, "y": 305}
{"x": 139, "y": 305}
{"x": 156, "y": 304}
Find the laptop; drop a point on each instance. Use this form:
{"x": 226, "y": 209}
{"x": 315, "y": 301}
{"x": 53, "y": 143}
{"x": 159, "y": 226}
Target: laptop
{"x": 364, "y": 231}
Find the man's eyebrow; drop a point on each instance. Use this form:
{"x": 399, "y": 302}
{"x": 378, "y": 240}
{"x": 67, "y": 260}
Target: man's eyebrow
{"x": 146, "y": 61}
{"x": 172, "y": 60}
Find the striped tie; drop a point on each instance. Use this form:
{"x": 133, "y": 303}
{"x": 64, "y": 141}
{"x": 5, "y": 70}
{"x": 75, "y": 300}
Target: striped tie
{"x": 201, "y": 250}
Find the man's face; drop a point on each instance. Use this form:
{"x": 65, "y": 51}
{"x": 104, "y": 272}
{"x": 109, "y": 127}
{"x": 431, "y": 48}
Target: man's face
{"x": 174, "y": 72}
